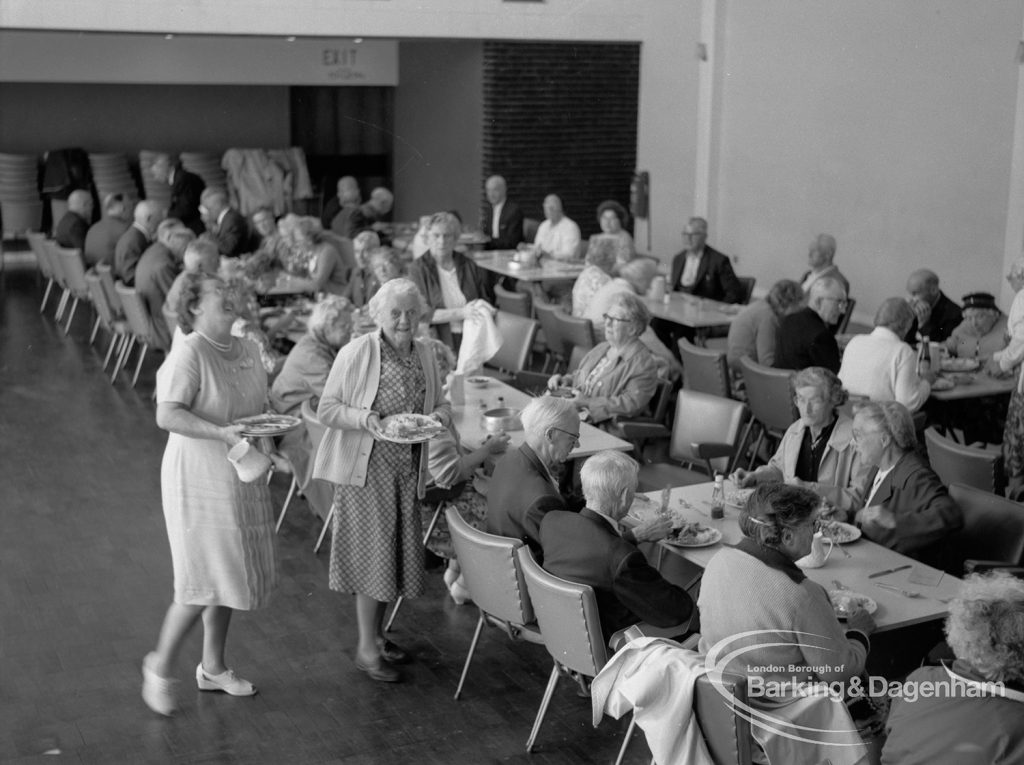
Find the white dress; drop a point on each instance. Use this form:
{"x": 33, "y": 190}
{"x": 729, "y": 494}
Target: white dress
{"x": 220, "y": 529}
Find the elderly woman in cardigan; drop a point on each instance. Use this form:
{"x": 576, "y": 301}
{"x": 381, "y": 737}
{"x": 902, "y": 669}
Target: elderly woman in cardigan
{"x": 377, "y": 548}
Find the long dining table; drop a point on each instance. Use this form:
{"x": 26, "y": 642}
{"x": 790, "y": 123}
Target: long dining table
{"x": 467, "y": 419}
{"x": 695, "y": 313}
{"x": 850, "y": 564}
{"x": 503, "y": 262}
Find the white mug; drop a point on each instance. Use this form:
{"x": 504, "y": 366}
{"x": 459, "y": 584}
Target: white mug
{"x": 817, "y": 556}
{"x": 249, "y": 462}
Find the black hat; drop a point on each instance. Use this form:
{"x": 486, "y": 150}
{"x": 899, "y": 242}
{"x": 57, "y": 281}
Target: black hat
{"x": 980, "y": 300}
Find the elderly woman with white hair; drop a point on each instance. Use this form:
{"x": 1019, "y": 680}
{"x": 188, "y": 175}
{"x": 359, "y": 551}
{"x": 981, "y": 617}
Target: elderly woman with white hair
{"x": 817, "y": 450}
{"x": 377, "y": 547}
{"x": 619, "y": 376}
{"x": 979, "y": 720}
{"x": 600, "y": 260}
{"x": 1005, "y": 362}
{"x": 905, "y": 505}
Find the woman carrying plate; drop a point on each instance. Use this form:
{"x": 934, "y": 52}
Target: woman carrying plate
{"x": 220, "y": 529}
{"x": 817, "y": 450}
{"x": 377, "y": 547}
{"x": 757, "y": 587}
{"x": 618, "y": 377}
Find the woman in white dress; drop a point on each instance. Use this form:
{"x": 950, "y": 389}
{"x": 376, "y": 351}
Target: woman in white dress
{"x": 220, "y": 529}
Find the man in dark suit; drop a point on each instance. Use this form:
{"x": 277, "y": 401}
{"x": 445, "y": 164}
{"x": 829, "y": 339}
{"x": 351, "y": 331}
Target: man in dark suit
{"x": 135, "y": 239}
{"x": 704, "y": 271}
{"x": 101, "y": 239}
{"x": 505, "y": 223}
{"x": 70, "y": 230}
{"x": 587, "y": 548}
{"x": 225, "y": 224}
{"x": 805, "y": 338}
{"x": 186, "y": 190}
{"x": 937, "y": 315}
{"x": 157, "y": 269}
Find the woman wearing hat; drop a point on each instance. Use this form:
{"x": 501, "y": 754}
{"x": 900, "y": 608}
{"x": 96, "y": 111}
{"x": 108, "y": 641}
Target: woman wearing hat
{"x": 982, "y": 331}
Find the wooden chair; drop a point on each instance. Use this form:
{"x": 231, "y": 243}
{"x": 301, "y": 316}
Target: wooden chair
{"x": 955, "y": 463}
{"x": 576, "y": 333}
{"x": 747, "y": 283}
{"x": 106, "y": 274}
{"x": 993, "y": 530}
{"x": 553, "y": 339}
{"x": 61, "y": 279}
{"x": 844, "y": 320}
{"x": 492, "y": 573}
{"x": 530, "y": 226}
{"x": 74, "y": 276}
{"x": 707, "y": 431}
{"x": 141, "y": 326}
{"x": 770, "y": 400}
{"x": 510, "y": 301}
{"x": 116, "y": 327}
{"x": 38, "y": 244}
{"x": 518, "y": 334}
{"x": 704, "y": 370}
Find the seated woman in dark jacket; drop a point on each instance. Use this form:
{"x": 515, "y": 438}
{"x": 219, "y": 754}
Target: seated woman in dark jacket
{"x": 906, "y": 507}
{"x": 448, "y": 279}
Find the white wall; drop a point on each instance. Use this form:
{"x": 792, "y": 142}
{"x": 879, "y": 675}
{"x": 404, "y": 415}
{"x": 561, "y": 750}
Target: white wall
{"x": 889, "y": 125}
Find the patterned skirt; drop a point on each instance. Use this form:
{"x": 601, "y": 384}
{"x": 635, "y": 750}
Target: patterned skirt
{"x": 1013, "y": 436}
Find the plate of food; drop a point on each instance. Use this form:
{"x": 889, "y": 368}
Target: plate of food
{"x": 839, "y": 532}
{"x": 943, "y": 383}
{"x": 408, "y": 428}
{"x": 955, "y": 364}
{"x": 268, "y": 425}
{"x": 738, "y": 498}
{"x": 694, "y": 535}
{"x": 564, "y": 392}
{"x": 478, "y": 381}
{"x": 843, "y": 601}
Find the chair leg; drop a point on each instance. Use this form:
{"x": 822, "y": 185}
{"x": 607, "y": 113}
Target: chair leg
{"x": 287, "y": 501}
{"x": 394, "y": 613}
{"x": 46, "y": 295}
{"x": 323, "y": 532}
{"x": 756, "y": 450}
{"x": 626, "y": 740}
{"x": 548, "y": 693}
{"x": 469, "y": 656}
{"x": 125, "y": 354}
{"x": 110, "y": 349}
{"x": 95, "y": 330}
{"x": 426, "y": 536}
{"x": 62, "y": 305}
{"x": 138, "y": 366}
{"x": 71, "y": 315}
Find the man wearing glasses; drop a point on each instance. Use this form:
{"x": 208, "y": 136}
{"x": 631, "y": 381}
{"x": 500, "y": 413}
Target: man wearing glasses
{"x": 805, "y": 338}
{"x": 703, "y": 271}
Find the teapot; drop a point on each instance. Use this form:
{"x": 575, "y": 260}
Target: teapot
{"x": 818, "y": 555}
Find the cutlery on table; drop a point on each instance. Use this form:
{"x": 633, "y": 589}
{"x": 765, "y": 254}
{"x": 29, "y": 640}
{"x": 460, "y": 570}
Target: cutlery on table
{"x": 900, "y": 590}
{"x": 890, "y": 570}
{"x": 688, "y": 506}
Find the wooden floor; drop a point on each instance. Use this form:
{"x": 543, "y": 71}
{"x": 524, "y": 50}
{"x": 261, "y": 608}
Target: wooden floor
{"x": 85, "y": 577}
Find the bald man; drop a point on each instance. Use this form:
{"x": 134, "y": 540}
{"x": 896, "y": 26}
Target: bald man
{"x": 72, "y": 228}
{"x": 349, "y": 196}
{"x": 352, "y": 221}
{"x": 226, "y": 225}
{"x": 135, "y": 240}
{"x": 937, "y": 315}
{"x": 558, "y": 236}
{"x": 820, "y": 257}
{"x": 504, "y": 224}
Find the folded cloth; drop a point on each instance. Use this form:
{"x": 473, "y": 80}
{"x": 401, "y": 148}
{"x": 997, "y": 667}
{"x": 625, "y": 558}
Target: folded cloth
{"x": 481, "y": 338}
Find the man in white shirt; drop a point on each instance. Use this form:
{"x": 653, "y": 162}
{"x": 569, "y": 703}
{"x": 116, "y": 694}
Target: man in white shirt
{"x": 504, "y": 225}
{"x": 882, "y": 367}
{"x": 558, "y": 236}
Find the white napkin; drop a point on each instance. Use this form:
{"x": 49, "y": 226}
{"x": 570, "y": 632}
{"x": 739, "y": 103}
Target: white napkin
{"x": 480, "y": 337}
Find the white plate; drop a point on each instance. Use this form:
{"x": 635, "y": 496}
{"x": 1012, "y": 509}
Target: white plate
{"x": 420, "y": 428}
{"x": 478, "y": 382}
{"x": 959, "y": 365}
{"x": 738, "y": 498}
{"x": 267, "y": 425}
{"x": 840, "y": 597}
{"x": 709, "y": 536}
{"x": 845, "y": 532}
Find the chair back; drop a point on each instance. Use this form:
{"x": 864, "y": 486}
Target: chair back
{"x": 552, "y": 328}
{"x": 135, "y": 312}
{"x": 99, "y": 299}
{"x": 769, "y": 396}
{"x": 576, "y": 332}
{"x": 844, "y": 320}
{"x": 491, "y": 570}
{"x": 658, "y": 407}
{"x": 567, "y": 616}
{"x": 106, "y": 275}
{"x": 704, "y": 370}
{"x": 993, "y": 527}
{"x": 747, "y": 283}
{"x": 705, "y": 419}
{"x": 517, "y": 335}
{"x": 74, "y": 270}
{"x": 512, "y": 301}
{"x": 726, "y": 733}
{"x": 956, "y": 463}
{"x": 37, "y": 242}
{"x": 56, "y": 262}
{"x": 530, "y": 226}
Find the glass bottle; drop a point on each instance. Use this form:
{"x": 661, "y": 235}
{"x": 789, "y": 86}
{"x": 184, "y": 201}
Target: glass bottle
{"x": 718, "y": 498}
{"x": 924, "y": 361}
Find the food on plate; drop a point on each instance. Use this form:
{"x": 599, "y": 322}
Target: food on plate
{"x": 269, "y": 424}
{"x": 838, "y": 532}
{"x": 565, "y": 393}
{"x": 410, "y": 426}
{"x": 943, "y": 383}
{"x": 695, "y": 534}
{"x": 844, "y": 601}
{"x": 478, "y": 382}
{"x": 959, "y": 365}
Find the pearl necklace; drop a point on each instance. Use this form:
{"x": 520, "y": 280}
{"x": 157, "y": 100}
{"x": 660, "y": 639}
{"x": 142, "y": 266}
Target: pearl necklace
{"x": 222, "y": 347}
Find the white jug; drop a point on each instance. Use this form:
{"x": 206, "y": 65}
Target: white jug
{"x": 818, "y": 556}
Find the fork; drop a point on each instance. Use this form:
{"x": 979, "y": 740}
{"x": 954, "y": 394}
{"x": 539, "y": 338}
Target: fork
{"x": 900, "y": 590}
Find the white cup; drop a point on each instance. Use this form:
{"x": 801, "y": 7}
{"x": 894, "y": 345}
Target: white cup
{"x": 249, "y": 462}
{"x": 818, "y": 556}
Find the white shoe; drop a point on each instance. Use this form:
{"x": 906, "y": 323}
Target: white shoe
{"x": 157, "y": 691}
{"x": 225, "y": 681}
{"x": 459, "y": 592}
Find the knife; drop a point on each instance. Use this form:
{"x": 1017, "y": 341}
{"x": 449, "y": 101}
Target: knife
{"x": 890, "y": 570}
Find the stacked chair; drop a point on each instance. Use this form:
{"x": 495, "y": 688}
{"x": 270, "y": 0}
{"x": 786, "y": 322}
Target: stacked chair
{"x": 155, "y": 190}
{"x": 21, "y": 208}
{"x": 206, "y": 166}
{"x": 111, "y": 175}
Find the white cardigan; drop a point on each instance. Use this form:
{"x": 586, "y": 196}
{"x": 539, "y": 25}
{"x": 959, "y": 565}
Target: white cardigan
{"x": 345, "y": 407}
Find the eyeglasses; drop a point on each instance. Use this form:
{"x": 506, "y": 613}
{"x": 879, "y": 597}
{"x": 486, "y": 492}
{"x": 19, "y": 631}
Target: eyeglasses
{"x": 575, "y": 438}
{"x": 860, "y": 435}
{"x": 609, "y": 319}
{"x": 801, "y": 401}
{"x": 841, "y": 302}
